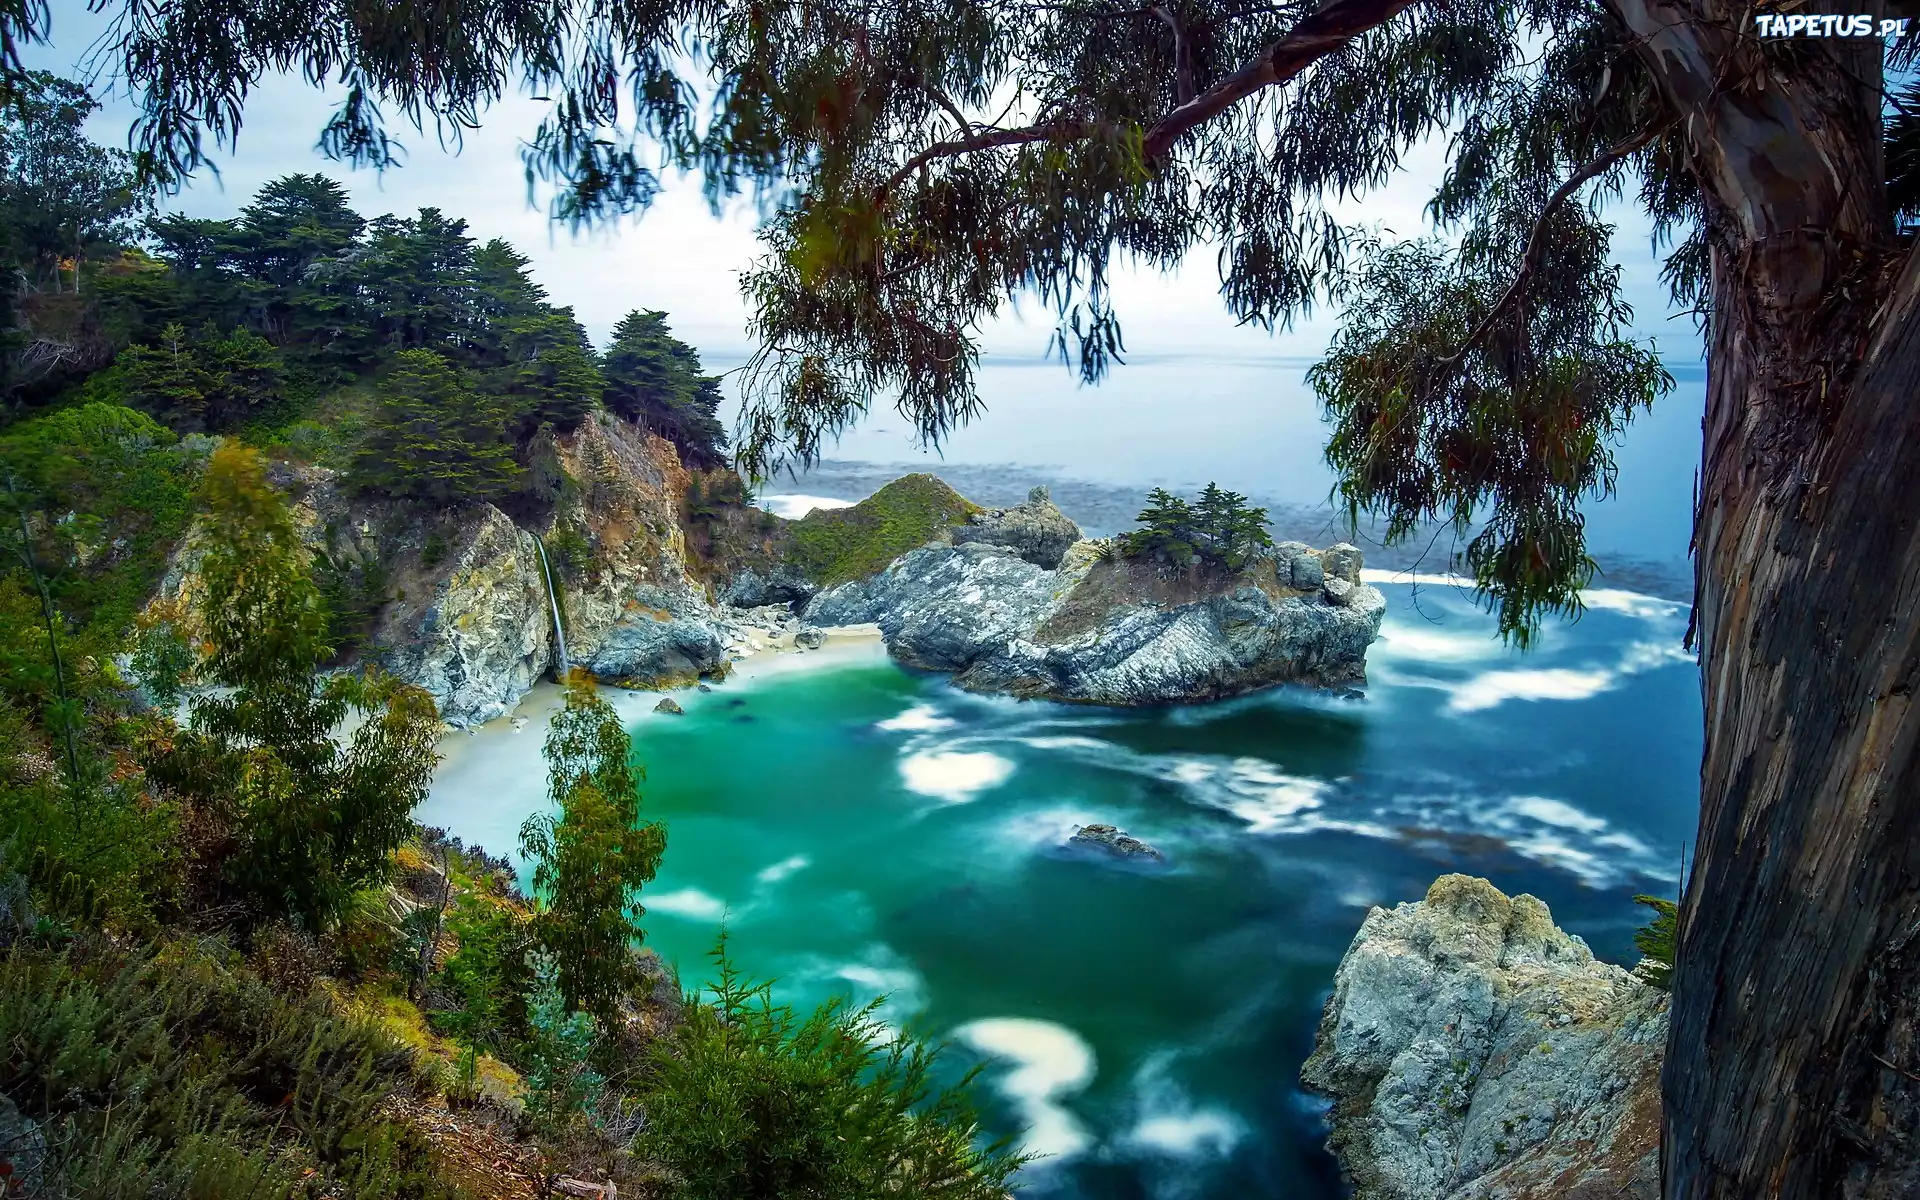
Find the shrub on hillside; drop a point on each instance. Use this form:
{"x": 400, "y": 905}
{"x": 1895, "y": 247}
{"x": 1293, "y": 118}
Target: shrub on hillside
{"x": 747, "y": 1099}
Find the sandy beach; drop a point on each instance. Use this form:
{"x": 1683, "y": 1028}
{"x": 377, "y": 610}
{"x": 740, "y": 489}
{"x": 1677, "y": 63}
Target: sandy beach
{"x": 504, "y": 753}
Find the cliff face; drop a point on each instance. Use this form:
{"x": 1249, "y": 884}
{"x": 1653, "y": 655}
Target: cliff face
{"x": 1474, "y": 1050}
{"x": 634, "y": 613}
{"x": 457, "y": 600}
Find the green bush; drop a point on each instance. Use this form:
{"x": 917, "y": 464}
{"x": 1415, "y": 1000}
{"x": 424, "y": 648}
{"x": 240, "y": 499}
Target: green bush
{"x": 747, "y": 1100}
{"x": 178, "y": 1073}
{"x": 485, "y": 977}
{"x": 311, "y": 821}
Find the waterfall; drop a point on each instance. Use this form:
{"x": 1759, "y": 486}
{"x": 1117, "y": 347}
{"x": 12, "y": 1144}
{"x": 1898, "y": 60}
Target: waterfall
{"x": 559, "y": 635}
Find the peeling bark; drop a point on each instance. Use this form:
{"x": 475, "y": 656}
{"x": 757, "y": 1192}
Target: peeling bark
{"x": 1793, "y": 1069}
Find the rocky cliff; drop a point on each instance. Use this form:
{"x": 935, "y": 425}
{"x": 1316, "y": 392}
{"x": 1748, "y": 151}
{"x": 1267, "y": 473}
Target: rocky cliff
{"x": 456, "y": 599}
{"x": 1472, "y": 1049}
{"x": 1102, "y": 629}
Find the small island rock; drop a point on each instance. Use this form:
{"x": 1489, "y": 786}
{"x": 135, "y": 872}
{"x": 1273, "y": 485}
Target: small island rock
{"x": 669, "y": 705}
{"x": 1114, "y": 842}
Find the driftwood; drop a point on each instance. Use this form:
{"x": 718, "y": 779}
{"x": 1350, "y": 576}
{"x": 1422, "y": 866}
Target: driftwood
{"x": 580, "y": 1187}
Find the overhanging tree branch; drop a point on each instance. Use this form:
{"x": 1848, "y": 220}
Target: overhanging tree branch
{"x": 1326, "y": 31}
{"x": 1183, "y": 85}
{"x": 1536, "y": 240}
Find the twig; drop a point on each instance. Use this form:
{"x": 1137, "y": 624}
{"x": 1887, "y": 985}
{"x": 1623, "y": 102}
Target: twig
{"x": 1182, "y": 53}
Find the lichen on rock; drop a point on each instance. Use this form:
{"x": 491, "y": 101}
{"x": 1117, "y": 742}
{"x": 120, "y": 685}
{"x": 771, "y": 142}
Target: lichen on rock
{"x": 1472, "y": 1049}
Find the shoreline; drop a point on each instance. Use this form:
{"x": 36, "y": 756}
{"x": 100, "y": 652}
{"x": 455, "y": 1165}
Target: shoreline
{"x": 505, "y": 752}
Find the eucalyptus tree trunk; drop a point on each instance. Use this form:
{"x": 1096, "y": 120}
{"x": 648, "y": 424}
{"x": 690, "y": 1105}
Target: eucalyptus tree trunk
{"x": 1794, "y": 1067}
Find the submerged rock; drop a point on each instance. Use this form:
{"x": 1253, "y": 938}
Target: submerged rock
{"x": 669, "y": 705}
{"x": 1037, "y": 531}
{"x": 1107, "y": 630}
{"x": 1112, "y": 841}
{"x": 1472, "y": 1049}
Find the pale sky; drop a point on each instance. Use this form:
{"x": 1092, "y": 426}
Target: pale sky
{"x": 679, "y": 257}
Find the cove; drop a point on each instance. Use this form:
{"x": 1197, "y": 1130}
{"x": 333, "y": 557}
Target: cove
{"x": 866, "y": 831}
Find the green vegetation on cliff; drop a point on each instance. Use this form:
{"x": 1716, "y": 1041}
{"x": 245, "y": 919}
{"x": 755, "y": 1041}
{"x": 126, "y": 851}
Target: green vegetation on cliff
{"x": 833, "y": 546}
{"x": 231, "y": 965}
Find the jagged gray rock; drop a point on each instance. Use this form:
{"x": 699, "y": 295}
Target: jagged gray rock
{"x": 809, "y": 638}
{"x": 1037, "y": 531}
{"x": 468, "y": 616}
{"x": 780, "y": 584}
{"x": 1475, "y": 1051}
{"x": 1108, "y": 631}
{"x": 1113, "y": 841}
{"x": 943, "y": 608}
{"x": 23, "y": 1151}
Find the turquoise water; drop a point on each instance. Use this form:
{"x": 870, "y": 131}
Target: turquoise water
{"x": 865, "y": 830}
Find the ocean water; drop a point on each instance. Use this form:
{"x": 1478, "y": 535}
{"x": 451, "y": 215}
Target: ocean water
{"x": 862, "y": 830}
{"x": 865, "y": 831}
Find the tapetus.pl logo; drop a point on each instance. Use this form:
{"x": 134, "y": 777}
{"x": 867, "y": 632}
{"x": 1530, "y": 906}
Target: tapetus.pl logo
{"x": 1857, "y": 25}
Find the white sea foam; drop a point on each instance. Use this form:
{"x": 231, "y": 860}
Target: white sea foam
{"x": 782, "y": 869}
{"x": 1494, "y": 688}
{"x": 1048, "y": 1062}
{"x": 1258, "y": 792}
{"x": 1048, "y": 827}
{"x": 1630, "y": 604}
{"x": 954, "y": 775}
{"x": 794, "y": 505}
{"x": 688, "y": 902}
{"x": 1408, "y": 641}
{"x": 1549, "y": 811}
{"x": 921, "y": 718}
{"x": 1200, "y": 1133}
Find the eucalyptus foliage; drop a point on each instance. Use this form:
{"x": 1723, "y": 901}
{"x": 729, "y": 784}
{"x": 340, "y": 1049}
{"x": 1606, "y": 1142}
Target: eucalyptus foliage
{"x": 310, "y": 820}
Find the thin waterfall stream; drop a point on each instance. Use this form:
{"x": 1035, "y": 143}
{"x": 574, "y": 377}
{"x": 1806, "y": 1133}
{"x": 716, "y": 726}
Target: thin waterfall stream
{"x": 553, "y": 600}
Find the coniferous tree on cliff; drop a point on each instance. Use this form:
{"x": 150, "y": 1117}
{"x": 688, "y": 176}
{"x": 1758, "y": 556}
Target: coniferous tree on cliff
{"x": 935, "y": 157}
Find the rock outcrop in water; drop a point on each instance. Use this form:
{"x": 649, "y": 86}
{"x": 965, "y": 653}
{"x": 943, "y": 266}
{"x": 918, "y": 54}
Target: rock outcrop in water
{"x": 1474, "y": 1050}
{"x": 1107, "y": 630}
{"x": 1110, "y": 840}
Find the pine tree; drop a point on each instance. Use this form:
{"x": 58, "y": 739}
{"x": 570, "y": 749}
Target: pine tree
{"x": 434, "y": 437}
{"x": 655, "y": 379}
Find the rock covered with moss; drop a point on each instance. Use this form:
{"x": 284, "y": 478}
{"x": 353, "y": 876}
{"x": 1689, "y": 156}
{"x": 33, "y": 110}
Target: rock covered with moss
{"x": 1102, "y": 629}
{"x": 1471, "y": 1048}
